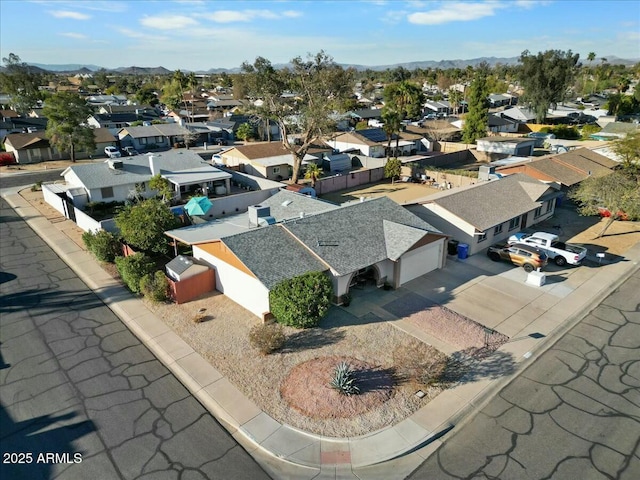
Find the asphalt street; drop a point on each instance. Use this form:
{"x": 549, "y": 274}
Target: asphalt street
{"x": 20, "y": 179}
{"x": 80, "y": 396}
{"x": 573, "y": 414}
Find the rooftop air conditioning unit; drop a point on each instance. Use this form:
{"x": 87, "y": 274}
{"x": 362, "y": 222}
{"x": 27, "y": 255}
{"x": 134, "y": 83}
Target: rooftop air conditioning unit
{"x": 115, "y": 164}
{"x": 256, "y": 212}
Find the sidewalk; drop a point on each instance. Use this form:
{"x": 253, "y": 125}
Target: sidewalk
{"x": 285, "y": 452}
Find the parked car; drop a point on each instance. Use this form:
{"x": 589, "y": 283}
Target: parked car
{"x": 561, "y": 253}
{"x": 131, "y": 151}
{"x": 525, "y": 256}
{"x": 112, "y": 152}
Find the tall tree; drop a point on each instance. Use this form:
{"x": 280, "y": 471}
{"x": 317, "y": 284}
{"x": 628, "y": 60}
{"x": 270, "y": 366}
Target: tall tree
{"x": 628, "y": 150}
{"x": 406, "y": 99}
{"x": 477, "y": 119}
{"x": 392, "y": 124}
{"x": 300, "y": 99}
{"x": 67, "y": 129}
{"x": 617, "y": 192}
{"x": 21, "y": 83}
{"x": 546, "y": 77}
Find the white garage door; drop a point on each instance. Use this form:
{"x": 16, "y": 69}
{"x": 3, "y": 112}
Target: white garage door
{"x": 420, "y": 261}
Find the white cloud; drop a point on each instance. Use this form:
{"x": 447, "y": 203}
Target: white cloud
{"x": 70, "y": 14}
{"x": 140, "y": 35}
{"x": 231, "y": 16}
{"x": 77, "y": 36}
{"x": 455, "y": 12}
{"x": 168, "y": 22}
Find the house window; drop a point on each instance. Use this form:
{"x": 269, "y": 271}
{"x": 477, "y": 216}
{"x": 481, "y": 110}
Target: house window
{"x": 276, "y": 170}
{"x": 158, "y": 139}
{"x": 143, "y": 140}
{"x": 549, "y": 206}
{"x": 498, "y": 229}
{"x": 537, "y": 212}
{"x": 482, "y": 237}
{"x": 514, "y": 223}
{"x": 106, "y": 192}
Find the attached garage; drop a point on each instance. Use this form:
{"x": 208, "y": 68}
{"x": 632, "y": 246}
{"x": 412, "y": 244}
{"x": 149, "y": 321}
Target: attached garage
{"x": 421, "y": 260}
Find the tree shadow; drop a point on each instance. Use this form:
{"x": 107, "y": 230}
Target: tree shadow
{"x": 40, "y": 435}
{"x": 473, "y": 364}
{"x": 7, "y": 277}
{"x": 311, "y": 338}
{"x": 51, "y": 300}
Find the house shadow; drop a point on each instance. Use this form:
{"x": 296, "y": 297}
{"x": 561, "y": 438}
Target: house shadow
{"x": 6, "y": 277}
{"x": 39, "y": 436}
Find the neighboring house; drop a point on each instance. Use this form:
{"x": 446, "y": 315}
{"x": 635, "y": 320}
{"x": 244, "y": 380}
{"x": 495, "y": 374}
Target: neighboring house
{"x": 501, "y": 99}
{"x": 35, "y": 147}
{"x": 98, "y": 100}
{"x": 267, "y": 159}
{"x": 8, "y": 114}
{"x": 488, "y": 212}
{"x": 616, "y": 130}
{"x": 117, "y": 180}
{"x": 371, "y": 142}
{"x": 437, "y": 106}
{"x": 496, "y": 148}
{"x": 111, "y": 120}
{"x": 376, "y": 239}
{"x": 500, "y": 124}
{"x": 520, "y": 114}
{"x": 152, "y": 137}
{"x": 566, "y": 169}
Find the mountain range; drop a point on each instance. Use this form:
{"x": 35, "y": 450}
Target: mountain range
{"x": 441, "y": 64}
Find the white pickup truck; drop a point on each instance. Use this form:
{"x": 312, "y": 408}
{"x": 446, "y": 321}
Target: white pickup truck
{"x": 561, "y": 253}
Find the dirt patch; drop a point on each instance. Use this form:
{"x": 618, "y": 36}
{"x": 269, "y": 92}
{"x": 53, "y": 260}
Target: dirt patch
{"x": 453, "y": 328}
{"x": 307, "y": 388}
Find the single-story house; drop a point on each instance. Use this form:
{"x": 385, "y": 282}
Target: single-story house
{"x": 268, "y": 159}
{"x": 117, "y": 180}
{"x": 375, "y": 239}
{"x": 616, "y": 130}
{"x": 163, "y": 135}
{"x": 501, "y": 124}
{"x": 111, "y": 120}
{"x": 487, "y": 212}
{"x": 35, "y": 147}
{"x": 566, "y": 169}
{"x": 520, "y": 114}
{"x": 437, "y": 106}
{"x": 371, "y": 142}
{"x": 495, "y": 148}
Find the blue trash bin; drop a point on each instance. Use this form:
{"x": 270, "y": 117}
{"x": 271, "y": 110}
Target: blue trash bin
{"x": 463, "y": 250}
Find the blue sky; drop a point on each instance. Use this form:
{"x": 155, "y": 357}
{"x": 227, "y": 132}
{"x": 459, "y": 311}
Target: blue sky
{"x": 198, "y": 35}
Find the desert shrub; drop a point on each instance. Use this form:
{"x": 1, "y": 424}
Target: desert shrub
{"x": 589, "y": 130}
{"x": 102, "y": 244}
{"x": 36, "y": 187}
{"x": 267, "y": 337}
{"x": 301, "y": 301}
{"x": 343, "y": 380}
{"x": 419, "y": 363}
{"x": 133, "y": 268}
{"x": 155, "y": 287}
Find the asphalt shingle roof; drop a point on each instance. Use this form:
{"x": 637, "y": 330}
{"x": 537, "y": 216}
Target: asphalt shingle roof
{"x": 355, "y": 236}
{"x": 487, "y": 204}
{"x": 258, "y": 248}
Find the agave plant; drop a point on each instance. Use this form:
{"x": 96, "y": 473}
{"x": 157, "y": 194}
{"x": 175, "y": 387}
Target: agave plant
{"x": 343, "y": 380}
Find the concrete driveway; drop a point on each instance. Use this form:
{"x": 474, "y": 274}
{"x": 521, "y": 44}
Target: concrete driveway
{"x": 493, "y": 294}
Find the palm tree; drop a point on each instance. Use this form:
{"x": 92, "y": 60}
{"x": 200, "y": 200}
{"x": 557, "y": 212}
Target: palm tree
{"x": 312, "y": 173}
{"x": 392, "y": 124}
